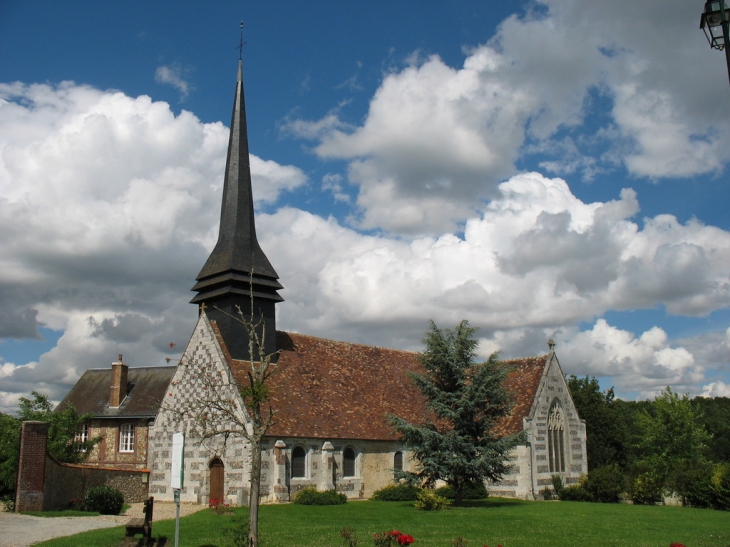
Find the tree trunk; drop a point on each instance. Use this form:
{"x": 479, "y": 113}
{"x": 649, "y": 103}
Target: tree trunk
{"x": 458, "y": 493}
{"x": 253, "y": 497}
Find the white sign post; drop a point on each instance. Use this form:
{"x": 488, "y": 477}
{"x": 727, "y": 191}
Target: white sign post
{"x": 177, "y": 475}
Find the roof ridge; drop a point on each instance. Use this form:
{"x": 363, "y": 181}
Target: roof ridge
{"x": 545, "y": 356}
{"x": 349, "y": 343}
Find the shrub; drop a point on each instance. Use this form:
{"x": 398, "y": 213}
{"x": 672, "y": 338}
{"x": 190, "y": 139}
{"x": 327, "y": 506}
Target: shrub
{"x": 428, "y": 500}
{"x": 104, "y": 499}
{"x": 696, "y": 486}
{"x": 311, "y": 496}
{"x": 707, "y": 486}
{"x": 472, "y": 492}
{"x": 721, "y": 486}
{"x": 647, "y": 489}
{"x": 219, "y": 507}
{"x": 397, "y": 492}
{"x": 392, "y": 539}
{"x": 605, "y": 484}
{"x": 9, "y": 503}
{"x": 575, "y": 492}
{"x": 349, "y": 536}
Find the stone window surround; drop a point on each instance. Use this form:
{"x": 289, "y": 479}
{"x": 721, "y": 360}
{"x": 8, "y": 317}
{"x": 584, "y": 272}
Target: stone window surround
{"x": 556, "y": 437}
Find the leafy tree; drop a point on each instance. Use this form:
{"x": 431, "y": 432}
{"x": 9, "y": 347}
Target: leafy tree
{"x": 467, "y": 400}
{"x": 9, "y": 437}
{"x": 672, "y": 441}
{"x": 63, "y": 443}
{"x": 63, "y": 428}
{"x": 714, "y": 415}
{"x": 605, "y": 431}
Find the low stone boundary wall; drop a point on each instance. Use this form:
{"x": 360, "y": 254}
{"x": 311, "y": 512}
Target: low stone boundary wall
{"x": 44, "y": 484}
{"x": 68, "y": 481}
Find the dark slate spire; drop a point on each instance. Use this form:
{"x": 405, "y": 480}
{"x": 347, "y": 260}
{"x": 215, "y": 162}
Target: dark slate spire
{"x": 226, "y": 278}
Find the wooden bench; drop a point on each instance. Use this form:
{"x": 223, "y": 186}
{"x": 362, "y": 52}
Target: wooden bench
{"x": 142, "y": 525}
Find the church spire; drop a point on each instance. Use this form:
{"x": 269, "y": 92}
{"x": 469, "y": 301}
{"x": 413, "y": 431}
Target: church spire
{"x": 237, "y": 263}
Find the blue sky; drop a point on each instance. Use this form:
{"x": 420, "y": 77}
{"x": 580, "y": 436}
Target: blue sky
{"x": 543, "y": 169}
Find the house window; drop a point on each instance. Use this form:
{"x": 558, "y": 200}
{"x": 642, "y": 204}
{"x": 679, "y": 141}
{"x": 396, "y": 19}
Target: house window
{"x": 556, "y": 440}
{"x": 126, "y": 438}
{"x": 83, "y": 434}
{"x": 298, "y": 462}
{"x": 348, "y": 462}
{"x": 398, "y": 462}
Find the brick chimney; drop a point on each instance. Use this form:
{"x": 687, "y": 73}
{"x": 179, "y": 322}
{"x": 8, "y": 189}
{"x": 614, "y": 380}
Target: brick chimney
{"x": 119, "y": 383}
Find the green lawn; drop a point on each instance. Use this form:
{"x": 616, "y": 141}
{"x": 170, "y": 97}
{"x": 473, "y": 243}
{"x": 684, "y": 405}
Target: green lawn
{"x": 495, "y": 521}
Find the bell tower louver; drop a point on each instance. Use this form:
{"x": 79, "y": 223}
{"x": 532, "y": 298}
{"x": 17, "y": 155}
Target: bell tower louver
{"x": 237, "y": 266}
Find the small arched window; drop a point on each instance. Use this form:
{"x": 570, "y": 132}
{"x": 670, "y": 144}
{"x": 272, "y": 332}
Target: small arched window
{"x": 398, "y": 462}
{"x": 298, "y": 462}
{"x": 348, "y": 462}
{"x": 556, "y": 438}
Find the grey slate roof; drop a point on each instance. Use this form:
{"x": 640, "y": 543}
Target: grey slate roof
{"x": 148, "y": 387}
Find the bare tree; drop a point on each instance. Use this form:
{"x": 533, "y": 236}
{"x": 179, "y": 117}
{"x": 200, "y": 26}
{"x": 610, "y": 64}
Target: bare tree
{"x": 225, "y": 408}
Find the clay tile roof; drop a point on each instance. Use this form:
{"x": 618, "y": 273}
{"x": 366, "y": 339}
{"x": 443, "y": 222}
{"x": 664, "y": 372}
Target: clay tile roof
{"x": 338, "y": 390}
{"x": 91, "y": 393}
{"x": 327, "y": 389}
{"x": 523, "y": 381}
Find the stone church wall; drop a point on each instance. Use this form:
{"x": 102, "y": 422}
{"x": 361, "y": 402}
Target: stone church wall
{"x": 324, "y": 467}
{"x": 517, "y": 483}
{"x": 373, "y": 469}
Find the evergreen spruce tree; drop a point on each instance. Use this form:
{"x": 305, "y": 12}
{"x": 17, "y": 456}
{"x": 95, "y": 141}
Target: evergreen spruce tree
{"x": 467, "y": 400}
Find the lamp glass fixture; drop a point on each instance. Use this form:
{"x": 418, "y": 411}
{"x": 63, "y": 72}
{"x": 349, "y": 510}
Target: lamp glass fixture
{"x": 711, "y": 23}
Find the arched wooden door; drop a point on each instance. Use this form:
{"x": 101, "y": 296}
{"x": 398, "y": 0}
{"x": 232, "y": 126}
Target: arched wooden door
{"x": 216, "y": 480}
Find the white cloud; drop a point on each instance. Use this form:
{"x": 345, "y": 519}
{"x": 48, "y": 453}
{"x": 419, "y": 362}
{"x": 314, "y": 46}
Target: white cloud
{"x": 332, "y": 182}
{"x": 537, "y": 263}
{"x": 174, "y": 75}
{"x": 716, "y": 389}
{"x": 646, "y": 363}
{"x": 434, "y": 131}
{"x": 108, "y": 207}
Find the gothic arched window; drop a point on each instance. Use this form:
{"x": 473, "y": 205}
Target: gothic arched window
{"x": 398, "y": 461}
{"x": 348, "y": 462}
{"x": 298, "y": 462}
{"x": 556, "y": 438}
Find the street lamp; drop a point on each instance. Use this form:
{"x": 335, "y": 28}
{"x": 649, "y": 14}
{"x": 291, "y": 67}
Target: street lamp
{"x": 714, "y": 22}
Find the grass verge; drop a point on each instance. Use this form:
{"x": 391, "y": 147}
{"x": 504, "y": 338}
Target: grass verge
{"x": 512, "y": 523}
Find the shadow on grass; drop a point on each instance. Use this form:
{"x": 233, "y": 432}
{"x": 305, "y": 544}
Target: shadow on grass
{"x": 144, "y": 542}
{"x": 467, "y": 504}
{"x": 493, "y": 502}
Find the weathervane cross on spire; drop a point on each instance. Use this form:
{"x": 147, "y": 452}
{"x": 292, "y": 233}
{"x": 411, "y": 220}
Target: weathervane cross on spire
{"x": 240, "y": 44}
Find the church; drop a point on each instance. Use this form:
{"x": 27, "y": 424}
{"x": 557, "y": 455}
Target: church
{"x": 331, "y": 398}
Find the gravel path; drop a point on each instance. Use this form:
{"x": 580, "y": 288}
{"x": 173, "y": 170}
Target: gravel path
{"x": 23, "y": 530}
